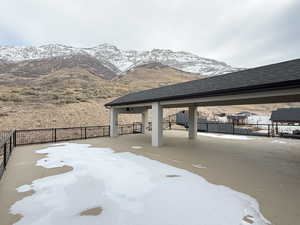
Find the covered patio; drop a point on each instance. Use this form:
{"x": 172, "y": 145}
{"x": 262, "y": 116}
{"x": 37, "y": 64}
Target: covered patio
{"x": 266, "y": 169}
{"x": 276, "y": 83}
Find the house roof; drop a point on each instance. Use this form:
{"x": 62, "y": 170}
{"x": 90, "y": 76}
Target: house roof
{"x": 286, "y": 115}
{"x": 237, "y": 116}
{"x": 284, "y": 74}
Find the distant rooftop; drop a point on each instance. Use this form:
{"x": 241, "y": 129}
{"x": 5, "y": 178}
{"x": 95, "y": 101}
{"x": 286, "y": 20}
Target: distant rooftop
{"x": 286, "y": 115}
{"x": 279, "y": 75}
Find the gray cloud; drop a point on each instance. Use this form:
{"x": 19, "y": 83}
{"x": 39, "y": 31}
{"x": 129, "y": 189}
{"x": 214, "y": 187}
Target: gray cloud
{"x": 241, "y": 33}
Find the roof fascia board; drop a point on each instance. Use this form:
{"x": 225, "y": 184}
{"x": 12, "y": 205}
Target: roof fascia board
{"x": 285, "y": 92}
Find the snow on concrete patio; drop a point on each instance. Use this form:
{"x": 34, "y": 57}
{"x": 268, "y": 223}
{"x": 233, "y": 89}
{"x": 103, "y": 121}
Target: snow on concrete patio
{"x": 129, "y": 189}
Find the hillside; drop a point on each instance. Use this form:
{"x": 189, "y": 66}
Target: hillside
{"x": 74, "y": 96}
{"x": 151, "y": 75}
{"x": 76, "y": 83}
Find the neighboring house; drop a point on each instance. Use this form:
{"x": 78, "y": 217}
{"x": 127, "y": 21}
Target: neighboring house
{"x": 245, "y": 113}
{"x": 290, "y": 116}
{"x": 286, "y": 115}
{"x": 237, "y": 118}
{"x": 182, "y": 118}
{"x": 220, "y": 114}
{"x": 205, "y": 125}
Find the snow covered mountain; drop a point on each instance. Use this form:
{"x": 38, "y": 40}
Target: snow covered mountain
{"x": 119, "y": 60}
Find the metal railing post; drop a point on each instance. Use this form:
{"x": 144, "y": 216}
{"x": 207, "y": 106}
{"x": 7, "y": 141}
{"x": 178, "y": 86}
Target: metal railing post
{"x": 232, "y": 127}
{"x": 10, "y": 144}
{"x": 5, "y": 156}
{"x": 54, "y": 134}
{"x": 85, "y": 133}
{"x": 15, "y": 138}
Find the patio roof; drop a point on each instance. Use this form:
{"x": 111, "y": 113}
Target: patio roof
{"x": 275, "y": 76}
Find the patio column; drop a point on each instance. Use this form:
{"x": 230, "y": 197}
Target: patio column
{"x": 157, "y": 118}
{"x": 145, "y": 121}
{"x": 113, "y": 122}
{"x": 193, "y": 122}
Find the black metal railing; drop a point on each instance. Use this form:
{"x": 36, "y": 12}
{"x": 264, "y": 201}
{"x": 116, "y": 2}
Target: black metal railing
{"x": 4, "y": 134}
{"x": 133, "y": 128}
{"x": 47, "y": 135}
{"x": 6, "y": 147}
{"x": 11, "y": 139}
{"x": 233, "y": 128}
{"x": 267, "y": 130}
{"x": 167, "y": 125}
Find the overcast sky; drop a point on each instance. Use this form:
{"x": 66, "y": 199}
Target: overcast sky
{"x": 243, "y": 33}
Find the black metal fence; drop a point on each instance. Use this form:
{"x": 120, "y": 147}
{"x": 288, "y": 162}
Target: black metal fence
{"x": 133, "y": 128}
{"x": 167, "y": 125}
{"x": 6, "y": 146}
{"x": 4, "y": 135}
{"x": 266, "y": 130}
{"x": 11, "y": 139}
{"x": 38, "y": 136}
{"x": 232, "y": 128}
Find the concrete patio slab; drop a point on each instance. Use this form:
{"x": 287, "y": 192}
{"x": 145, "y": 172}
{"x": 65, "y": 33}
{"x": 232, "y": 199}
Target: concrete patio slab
{"x": 267, "y": 169}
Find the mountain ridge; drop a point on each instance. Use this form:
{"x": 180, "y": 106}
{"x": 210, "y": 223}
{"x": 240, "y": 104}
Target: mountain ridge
{"x": 120, "y": 61}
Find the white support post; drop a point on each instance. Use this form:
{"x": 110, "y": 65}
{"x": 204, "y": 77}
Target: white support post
{"x": 157, "y": 126}
{"x": 193, "y": 122}
{"x": 145, "y": 121}
{"x": 113, "y": 122}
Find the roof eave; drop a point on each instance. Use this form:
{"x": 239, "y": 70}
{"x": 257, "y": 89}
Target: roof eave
{"x": 243, "y": 90}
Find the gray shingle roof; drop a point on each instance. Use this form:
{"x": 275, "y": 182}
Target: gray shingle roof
{"x": 286, "y": 115}
{"x": 280, "y": 74}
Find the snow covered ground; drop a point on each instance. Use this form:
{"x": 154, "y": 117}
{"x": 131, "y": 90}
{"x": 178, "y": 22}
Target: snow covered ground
{"x": 130, "y": 190}
{"x": 225, "y": 136}
{"x": 263, "y": 119}
{"x": 266, "y": 120}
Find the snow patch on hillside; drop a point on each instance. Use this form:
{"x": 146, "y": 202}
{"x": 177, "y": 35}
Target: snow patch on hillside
{"x": 122, "y": 59}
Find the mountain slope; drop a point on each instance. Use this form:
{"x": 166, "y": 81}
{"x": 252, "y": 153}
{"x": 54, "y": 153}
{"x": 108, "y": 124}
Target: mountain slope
{"x": 152, "y": 75}
{"x": 76, "y": 84}
{"x": 118, "y": 60}
{"x": 44, "y": 66}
